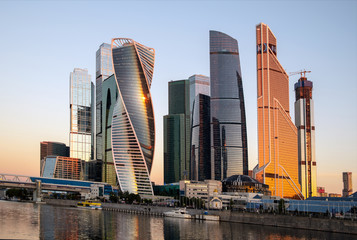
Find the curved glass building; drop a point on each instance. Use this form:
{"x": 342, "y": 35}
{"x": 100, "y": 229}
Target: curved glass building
{"x": 229, "y": 154}
{"x": 133, "y": 126}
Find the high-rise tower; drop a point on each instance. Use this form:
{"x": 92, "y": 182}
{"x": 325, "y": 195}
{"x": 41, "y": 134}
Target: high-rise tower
{"x": 81, "y": 91}
{"x": 277, "y": 134}
{"x": 304, "y": 121}
{"x": 177, "y": 133}
{"x": 229, "y": 152}
{"x": 104, "y": 69}
{"x": 133, "y": 124}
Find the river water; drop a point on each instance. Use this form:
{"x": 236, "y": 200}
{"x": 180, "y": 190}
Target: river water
{"x": 41, "y": 221}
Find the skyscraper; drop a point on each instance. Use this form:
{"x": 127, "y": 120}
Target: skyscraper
{"x": 200, "y": 127}
{"x": 133, "y": 123}
{"x": 201, "y": 139}
{"x": 277, "y": 134}
{"x": 177, "y": 133}
{"x": 104, "y": 69}
{"x": 81, "y": 89}
{"x": 304, "y": 121}
{"x": 347, "y": 184}
{"x": 109, "y": 99}
{"x": 229, "y": 153}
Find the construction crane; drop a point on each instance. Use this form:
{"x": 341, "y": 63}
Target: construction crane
{"x": 299, "y": 72}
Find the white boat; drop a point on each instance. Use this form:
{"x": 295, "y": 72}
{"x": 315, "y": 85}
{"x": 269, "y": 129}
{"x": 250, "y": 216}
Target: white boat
{"x": 178, "y": 213}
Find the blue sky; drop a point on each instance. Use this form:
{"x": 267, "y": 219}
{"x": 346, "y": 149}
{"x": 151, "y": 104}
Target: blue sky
{"x": 42, "y": 42}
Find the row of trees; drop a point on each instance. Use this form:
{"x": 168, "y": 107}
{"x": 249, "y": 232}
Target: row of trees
{"x": 19, "y": 193}
{"x": 125, "y": 196}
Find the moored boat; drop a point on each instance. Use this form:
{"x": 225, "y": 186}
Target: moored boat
{"x": 178, "y": 213}
{"x": 90, "y": 204}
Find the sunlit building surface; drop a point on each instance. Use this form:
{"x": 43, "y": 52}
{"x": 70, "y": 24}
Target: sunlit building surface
{"x": 304, "y": 121}
{"x": 61, "y": 167}
{"x": 133, "y": 125}
{"x": 177, "y": 133}
{"x": 52, "y": 149}
{"x": 347, "y": 184}
{"x": 109, "y": 98}
{"x": 201, "y": 139}
{"x": 81, "y": 89}
{"x": 104, "y": 69}
{"x": 277, "y": 134}
{"x": 229, "y": 154}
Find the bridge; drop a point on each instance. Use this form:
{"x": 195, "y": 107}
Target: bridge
{"x": 51, "y": 184}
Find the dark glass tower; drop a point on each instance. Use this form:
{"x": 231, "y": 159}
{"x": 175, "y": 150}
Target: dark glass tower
{"x": 229, "y": 153}
{"x": 177, "y": 133}
{"x": 200, "y": 146}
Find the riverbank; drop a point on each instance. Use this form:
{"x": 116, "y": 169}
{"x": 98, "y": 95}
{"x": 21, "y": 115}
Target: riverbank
{"x": 286, "y": 221}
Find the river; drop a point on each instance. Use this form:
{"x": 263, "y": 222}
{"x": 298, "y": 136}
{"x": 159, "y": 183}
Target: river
{"x": 21, "y": 220}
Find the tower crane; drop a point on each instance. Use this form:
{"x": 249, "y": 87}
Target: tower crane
{"x": 299, "y": 72}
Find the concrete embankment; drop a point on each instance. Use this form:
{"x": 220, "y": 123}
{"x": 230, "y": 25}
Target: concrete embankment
{"x": 329, "y": 225}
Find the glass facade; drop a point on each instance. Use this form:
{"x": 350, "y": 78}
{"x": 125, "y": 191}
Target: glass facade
{"x": 229, "y": 154}
{"x": 304, "y": 122}
{"x": 201, "y": 139}
{"x": 104, "y": 69}
{"x": 133, "y": 125}
{"x": 277, "y": 134}
{"x": 80, "y": 114}
{"x": 177, "y": 132}
{"x": 109, "y": 98}
{"x": 199, "y": 84}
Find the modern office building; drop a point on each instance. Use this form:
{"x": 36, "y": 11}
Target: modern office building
{"x": 229, "y": 152}
{"x": 347, "y": 184}
{"x": 61, "y": 167}
{"x": 133, "y": 123}
{"x": 48, "y": 148}
{"x": 109, "y": 99}
{"x": 104, "y": 69}
{"x": 177, "y": 133}
{"x": 277, "y": 134}
{"x": 201, "y": 138}
{"x": 304, "y": 122}
{"x": 81, "y": 92}
{"x": 199, "y": 84}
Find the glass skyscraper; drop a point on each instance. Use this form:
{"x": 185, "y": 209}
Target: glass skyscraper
{"x": 229, "y": 154}
{"x": 104, "y": 69}
{"x": 201, "y": 139}
{"x": 277, "y": 134}
{"x": 109, "y": 99}
{"x": 177, "y": 133}
{"x": 133, "y": 123}
{"x": 81, "y": 89}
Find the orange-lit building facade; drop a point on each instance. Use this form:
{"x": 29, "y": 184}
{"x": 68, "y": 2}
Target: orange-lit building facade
{"x": 62, "y": 167}
{"x": 277, "y": 134}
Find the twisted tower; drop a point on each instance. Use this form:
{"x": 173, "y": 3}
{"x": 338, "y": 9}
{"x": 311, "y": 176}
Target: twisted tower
{"x": 133, "y": 126}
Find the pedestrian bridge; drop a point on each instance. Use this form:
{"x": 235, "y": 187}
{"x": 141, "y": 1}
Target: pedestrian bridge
{"x": 51, "y": 184}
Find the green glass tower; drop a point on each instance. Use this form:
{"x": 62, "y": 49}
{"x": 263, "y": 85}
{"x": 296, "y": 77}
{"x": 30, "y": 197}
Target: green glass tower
{"x": 177, "y": 132}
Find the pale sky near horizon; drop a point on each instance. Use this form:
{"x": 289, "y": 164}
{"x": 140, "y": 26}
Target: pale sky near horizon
{"x": 42, "y": 42}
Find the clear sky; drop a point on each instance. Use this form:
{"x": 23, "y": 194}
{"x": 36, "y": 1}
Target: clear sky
{"x": 42, "y": 42}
